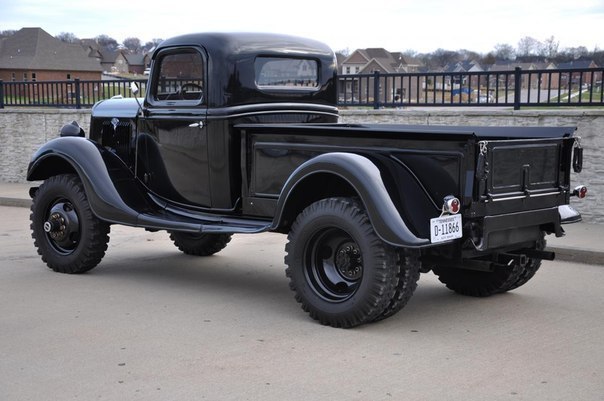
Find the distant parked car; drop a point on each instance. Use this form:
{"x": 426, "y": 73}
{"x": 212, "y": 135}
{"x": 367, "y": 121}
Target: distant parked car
{"x": 486, "y": 99}
{"x": 147, "y": 71}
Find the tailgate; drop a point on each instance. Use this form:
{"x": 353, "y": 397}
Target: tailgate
{"x": 535, "y": 173}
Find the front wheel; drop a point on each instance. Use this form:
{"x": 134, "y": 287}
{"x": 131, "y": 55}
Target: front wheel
{"x": 342, "y": 273}
{"x": 67, "y": 235}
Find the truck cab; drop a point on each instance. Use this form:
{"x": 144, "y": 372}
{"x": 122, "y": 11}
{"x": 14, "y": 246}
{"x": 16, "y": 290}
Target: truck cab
{"x": 200, "y": 87}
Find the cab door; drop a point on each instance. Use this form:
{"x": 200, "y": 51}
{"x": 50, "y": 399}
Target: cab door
{"x": 172, "y": 144}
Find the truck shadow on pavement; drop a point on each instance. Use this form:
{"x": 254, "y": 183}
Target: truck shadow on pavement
{"x": 246, "y": 283}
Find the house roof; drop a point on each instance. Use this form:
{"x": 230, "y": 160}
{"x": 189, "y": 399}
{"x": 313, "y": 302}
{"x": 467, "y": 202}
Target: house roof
{"x": 35, "y": 49}
{"x": 387, "y": 61}
{"x": 372, "y": 56}
{"x": 579, "y": 63}
{"x": 135, "y": 59}
{"x": 462, "y": 66}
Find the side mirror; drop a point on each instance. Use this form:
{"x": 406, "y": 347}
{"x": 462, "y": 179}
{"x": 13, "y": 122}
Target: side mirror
{"x": 134, "y": 88}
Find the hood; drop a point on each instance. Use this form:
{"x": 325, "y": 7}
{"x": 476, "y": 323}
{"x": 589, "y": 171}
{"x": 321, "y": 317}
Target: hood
{"x": 117, "y": 107}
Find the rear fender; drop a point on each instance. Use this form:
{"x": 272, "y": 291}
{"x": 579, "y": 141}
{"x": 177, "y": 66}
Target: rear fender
{"x": 366, "y": 180}
{"x": 101, "y": 172}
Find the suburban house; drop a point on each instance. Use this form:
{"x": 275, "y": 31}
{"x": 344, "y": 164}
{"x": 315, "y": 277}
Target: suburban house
{"x": 457, "y": 79}
{"x": 372, "y": 60}
{"x": 117, "y": 61}
{"x": 31, "y": 54}
{"x": 137, "y": 62}
{"x": 554, "y": 80}
{"x": 584, "y": 79}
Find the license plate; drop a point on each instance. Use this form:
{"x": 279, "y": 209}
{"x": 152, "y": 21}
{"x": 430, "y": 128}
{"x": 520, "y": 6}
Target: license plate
{"x": 445, "y": 228}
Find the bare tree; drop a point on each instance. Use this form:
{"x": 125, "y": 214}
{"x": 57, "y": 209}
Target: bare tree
{"x": 577, "y": 52}
{"x": 442, "y": 57}
{"x": 344, "y": 52}
{"x": 133, "y": 44}
{"x": 107, "y": 42}
{"x": 7, "y": 32}
{"x": 152, "y": 44}
{"x": 528, "y": 46}
{"x": 67, "y": 37}
{"x": 504, "y": 51}
{"x": 550, "y": 47}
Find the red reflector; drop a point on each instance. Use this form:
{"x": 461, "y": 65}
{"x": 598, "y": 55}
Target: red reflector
{"x": 454, "y": 206}
{"x": 580, "y": 191}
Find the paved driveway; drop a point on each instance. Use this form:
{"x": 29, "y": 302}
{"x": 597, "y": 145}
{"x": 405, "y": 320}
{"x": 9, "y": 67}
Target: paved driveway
{"x": 152, "y": 324}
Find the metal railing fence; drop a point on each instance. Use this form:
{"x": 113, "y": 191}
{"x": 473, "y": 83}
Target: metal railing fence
{"x": 515, "y": 88}
{"x": 72, "y": 94}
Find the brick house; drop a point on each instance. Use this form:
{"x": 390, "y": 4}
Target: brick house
{"x": 117, "y": 61}
{"x": 31, "y": 54}
{"x": 577, "y": 79}
{"x": 368, "y": 61}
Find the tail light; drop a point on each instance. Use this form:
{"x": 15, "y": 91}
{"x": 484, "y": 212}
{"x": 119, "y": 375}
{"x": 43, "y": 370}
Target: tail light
{"x": 451, "y": 205}
{"x": 580, "y": 191}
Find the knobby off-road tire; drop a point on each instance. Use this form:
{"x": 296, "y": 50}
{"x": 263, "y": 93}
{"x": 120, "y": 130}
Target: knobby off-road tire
{"x": 530, "y": 269}
{"x": 408, "y": 267}
{"x": 200, "y": 244}
{"x": 342, "y": 273}
{"x": 67, "y": 235}
{"x": 484, "y": 284}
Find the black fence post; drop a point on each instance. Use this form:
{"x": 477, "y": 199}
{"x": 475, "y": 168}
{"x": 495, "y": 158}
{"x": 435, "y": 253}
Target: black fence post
{"x": 517, "y": 87}
{"x": 1, "y": 94}
{"x": 376, "y": 90}
{"x": 77, "y": 93}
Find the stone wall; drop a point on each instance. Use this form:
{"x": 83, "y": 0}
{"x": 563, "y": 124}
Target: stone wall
{"x": 22, "y": 131}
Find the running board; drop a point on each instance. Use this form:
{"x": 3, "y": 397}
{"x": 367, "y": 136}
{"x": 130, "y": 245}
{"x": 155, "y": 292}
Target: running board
{"x": 164, "y": 220}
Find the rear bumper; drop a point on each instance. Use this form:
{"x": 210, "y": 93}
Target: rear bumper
{"x": 568, "y": 214}
{"x": 516, "y": 228}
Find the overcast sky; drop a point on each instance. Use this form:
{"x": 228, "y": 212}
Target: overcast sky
{"x": 397, "y": 25}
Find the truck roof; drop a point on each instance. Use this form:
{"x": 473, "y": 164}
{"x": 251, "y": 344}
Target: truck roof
{"x": 232, "y": 75}
{"x": 242, "y": 43}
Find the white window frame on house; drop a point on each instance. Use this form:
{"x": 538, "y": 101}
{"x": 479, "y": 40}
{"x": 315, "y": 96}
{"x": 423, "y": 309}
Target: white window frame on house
{"x": 33, "y": 77}
{"x": 24, "y": 77}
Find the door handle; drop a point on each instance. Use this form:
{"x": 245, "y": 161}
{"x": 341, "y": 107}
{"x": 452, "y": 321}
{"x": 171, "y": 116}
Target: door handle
{"x": 196, "y": 125}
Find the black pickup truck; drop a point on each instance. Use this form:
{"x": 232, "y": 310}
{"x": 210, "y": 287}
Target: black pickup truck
{"x": 239, "y": 133}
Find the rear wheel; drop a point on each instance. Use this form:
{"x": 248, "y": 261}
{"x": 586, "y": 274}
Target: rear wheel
{"x": 484, "y": 284}
{"x": 409, "y": 267}
{"x": 67, "y": 235}
{"x": 342, "y": 273}
{"x": 529, "y": 269}
{"x": 200, "y": 244}
{"x": 478, "y": 283}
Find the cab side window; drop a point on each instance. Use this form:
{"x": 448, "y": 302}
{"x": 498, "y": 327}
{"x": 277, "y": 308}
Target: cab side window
{"x": 180, "y": 77}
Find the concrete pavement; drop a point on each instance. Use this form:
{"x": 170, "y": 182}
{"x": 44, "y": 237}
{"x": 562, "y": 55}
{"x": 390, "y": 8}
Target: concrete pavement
{"x": 150, "y": 323}
{"x": 583, "y": 242}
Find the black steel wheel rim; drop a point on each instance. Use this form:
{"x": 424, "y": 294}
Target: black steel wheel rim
{"x": 333, "y": 265}
{"x": 62, "y": 226}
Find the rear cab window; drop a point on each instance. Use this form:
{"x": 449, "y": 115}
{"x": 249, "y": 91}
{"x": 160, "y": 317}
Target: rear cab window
{"x": 283, "y": 73}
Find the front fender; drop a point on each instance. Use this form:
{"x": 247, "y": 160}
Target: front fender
{"x": 92, "y": 164}
{"x": 365, "y": 178}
